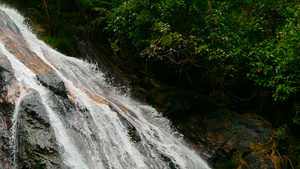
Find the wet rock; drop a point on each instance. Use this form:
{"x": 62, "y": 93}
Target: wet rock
{"x": 6, "y": 111}
{"x": 223, "y": 137}
{"x": 169, "y": 159}
{"x": 37, "y": 146}
{"x": 61, "y": 105}
{"x": 255, "y": 161}
{"x": 133, "y": 133}
{"x": 6, "y": 75}
{"x": 53, "y": 83}
{"x": 139, "y": 93}
{"x": 14, "y": 42}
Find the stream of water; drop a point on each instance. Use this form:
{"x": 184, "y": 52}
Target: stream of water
{"x": 95, "y": 134}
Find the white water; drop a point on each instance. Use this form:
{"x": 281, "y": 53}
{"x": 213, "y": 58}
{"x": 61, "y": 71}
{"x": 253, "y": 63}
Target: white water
{"x": 92, "y": 135}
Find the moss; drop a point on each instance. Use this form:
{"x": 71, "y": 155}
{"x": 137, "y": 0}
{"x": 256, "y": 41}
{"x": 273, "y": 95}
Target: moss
{"x": 40, "y": 166}
{"x": 64, "y": 42}
{"x": 31, "y": 137}
{"x": 238, "y": 160}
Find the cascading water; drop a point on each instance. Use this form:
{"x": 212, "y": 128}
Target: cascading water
{"x": 94, "y": 126}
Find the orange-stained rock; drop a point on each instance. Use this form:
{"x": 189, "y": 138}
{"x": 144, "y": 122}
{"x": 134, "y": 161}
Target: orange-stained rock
{"x": 97, "y": 99}
{"x": 70, "y": 94}
{"x": 4, "y": 95}
{"x": 13, "y": 92}
{"x": 19, "y": 48}
{"x": 14, "y": 42}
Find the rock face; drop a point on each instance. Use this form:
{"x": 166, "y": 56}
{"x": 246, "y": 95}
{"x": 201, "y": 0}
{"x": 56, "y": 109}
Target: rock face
{"x": 6, "y": 112}
{"x": 229, "y": 140}
{"x": 33, "y": 145}
{"x": 37, "y": 146}
{"x": 52, "y": 82}
{"x": 224, "y": 138}
{"x": 7, "y": 96}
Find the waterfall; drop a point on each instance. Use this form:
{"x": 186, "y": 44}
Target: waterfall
{"x": 94, "y": 125}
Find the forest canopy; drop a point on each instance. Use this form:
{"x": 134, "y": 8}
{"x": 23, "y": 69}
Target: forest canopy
{"x": 227, "y": 40}
{"x": 224, "y": 42}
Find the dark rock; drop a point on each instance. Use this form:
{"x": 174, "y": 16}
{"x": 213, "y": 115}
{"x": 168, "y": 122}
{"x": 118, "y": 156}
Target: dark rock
{"x": 256, "y": 161}
{"x": 6, "y": 112}
{"x": 133, "y": 133}
{"x": 53, "y": 83}
{"x": 221, "y": 134}
{"x": 150, "y": 83}
{"x": 61, "y": 105}
{"x": 167, "y": 158}
{"x": 37, "y": 146}
{"x": 6, "y": 75}
{"x": 139, "y": 93}
{"x": 177, "y": 104}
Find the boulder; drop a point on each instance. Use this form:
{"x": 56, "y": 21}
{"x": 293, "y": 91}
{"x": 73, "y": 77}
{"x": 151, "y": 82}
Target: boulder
{"x": 52, "y": 82}
{"x": 36, "y": 142}
{"x": 6, "y": 155}
{"x": 7, "y": 94}
{"x": 6, "y": 75}
{"x": 226, "y": 139}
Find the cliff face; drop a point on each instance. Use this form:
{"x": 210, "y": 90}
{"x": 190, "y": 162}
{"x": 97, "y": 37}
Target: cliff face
{"x": 9, "y": 94}
{"x": 30, "y": 141}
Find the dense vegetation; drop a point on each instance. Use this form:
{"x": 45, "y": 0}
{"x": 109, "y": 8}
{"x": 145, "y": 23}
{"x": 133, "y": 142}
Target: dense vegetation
{"x": 247, "y": 49}
{"x": 227, "y": 41}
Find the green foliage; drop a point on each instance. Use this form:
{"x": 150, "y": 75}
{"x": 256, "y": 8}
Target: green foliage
{"x": 280, "y": 133}
{"x": 231, "y": 40}
{"x": 288, "y": 146}
{"x": 95, "y": 10}
{"x": 49, "y": 40}
{"x": 60, "y": 19}
{"x": 61, "y": 43}
{"x": 295, "y": 151}
{"x": 296, "y": 108}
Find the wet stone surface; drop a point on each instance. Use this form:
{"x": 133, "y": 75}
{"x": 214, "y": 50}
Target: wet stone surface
{"x": 37, "y": 145}
{"x": 52, "y": 82}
